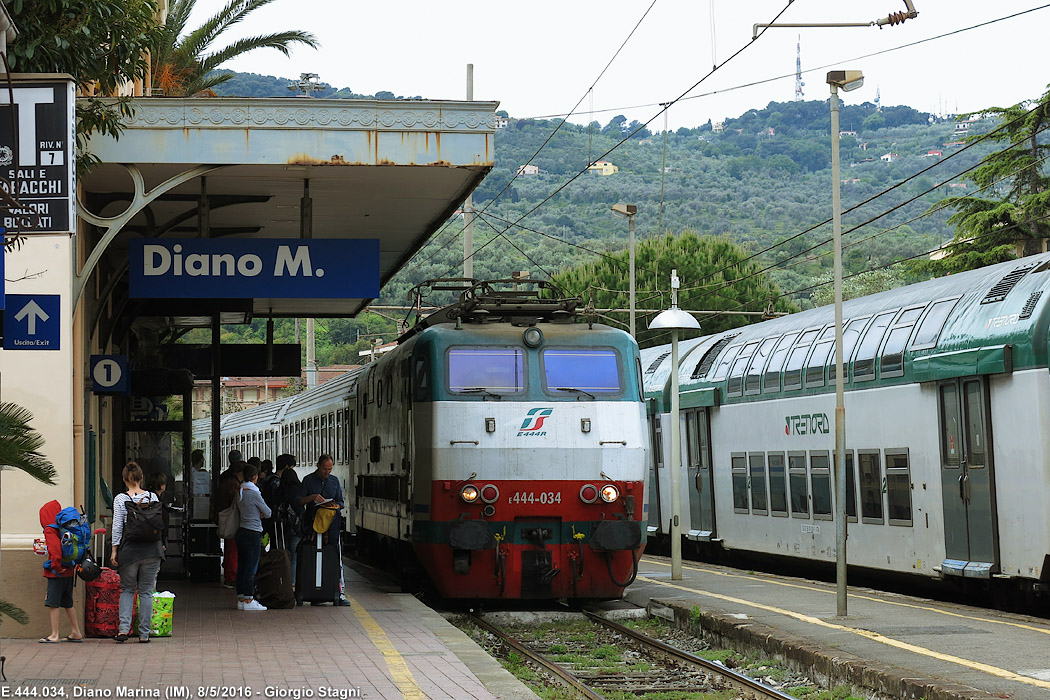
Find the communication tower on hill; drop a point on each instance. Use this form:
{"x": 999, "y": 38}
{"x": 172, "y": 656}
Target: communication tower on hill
{"x": 798, "y": 70}
{"x": 878, "y": 101}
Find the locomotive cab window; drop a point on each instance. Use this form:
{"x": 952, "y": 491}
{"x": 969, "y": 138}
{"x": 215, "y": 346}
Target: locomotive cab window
{"x": 898, "y": 487}
{"x": 581, "y": 372}
{"x": 486, "y": 370}
{"x": 892, "y": 364}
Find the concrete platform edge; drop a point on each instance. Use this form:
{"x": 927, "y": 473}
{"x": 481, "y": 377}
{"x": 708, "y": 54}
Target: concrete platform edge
{"x": 824, "y": 664}
{"x": 496, "y": 679}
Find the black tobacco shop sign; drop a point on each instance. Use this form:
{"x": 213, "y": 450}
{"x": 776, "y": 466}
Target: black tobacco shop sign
{"x": 37, "y": 156}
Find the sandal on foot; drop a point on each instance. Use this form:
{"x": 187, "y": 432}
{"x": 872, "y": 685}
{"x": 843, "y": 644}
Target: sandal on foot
{"x": 121, "y": 638}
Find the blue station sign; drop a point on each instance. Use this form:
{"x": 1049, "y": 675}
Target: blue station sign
{"x": 32, "y": 322}
{"x": 255, "y": 268}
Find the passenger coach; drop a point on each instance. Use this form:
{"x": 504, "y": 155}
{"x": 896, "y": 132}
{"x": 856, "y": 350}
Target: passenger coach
{"x": 947, "y": 449}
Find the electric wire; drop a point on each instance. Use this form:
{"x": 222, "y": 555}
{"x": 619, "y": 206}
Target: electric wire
{"x": 556, "y": 238}
{"x": 812, "y": 70}
{"x": 667, "y": 106}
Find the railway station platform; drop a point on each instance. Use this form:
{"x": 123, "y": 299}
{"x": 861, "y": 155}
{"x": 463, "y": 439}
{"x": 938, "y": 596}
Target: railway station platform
{"x": 900, "y": 646}
{"x": 386, "y": 646}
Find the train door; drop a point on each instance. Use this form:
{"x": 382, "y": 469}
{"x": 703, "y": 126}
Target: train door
{"x": 970, "y": 537}
{"x": 698, "y": 460}
{"x": 656, "y": 460}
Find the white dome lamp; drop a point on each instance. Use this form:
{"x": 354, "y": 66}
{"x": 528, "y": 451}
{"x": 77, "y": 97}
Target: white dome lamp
{"x": 674, "y": 320}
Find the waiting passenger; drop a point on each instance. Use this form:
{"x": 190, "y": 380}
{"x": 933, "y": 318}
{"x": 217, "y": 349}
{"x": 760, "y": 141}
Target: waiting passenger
{"x": 229, "y": 489}
{"x": 249, "y": 539}
{"x": 288, "y": 512}
{"x": 318, "y": 488}
{"x": 158, "y": 484}
{"x": 136, "y": 560}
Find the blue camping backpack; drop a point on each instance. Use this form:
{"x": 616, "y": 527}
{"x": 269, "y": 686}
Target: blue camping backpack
{"x": 75, "y": 534}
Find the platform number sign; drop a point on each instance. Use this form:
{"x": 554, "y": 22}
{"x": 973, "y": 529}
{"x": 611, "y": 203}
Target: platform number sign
{"x": 109, "y": 374}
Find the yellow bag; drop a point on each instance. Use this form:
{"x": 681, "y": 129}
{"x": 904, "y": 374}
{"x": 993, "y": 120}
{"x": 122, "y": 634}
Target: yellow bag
{"x": 323, "y": 520}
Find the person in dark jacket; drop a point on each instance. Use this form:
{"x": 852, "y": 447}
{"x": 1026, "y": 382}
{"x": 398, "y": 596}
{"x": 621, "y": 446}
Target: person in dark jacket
{"x": 228, "y": 489}
{"x": 322, "y": 490}
{"x": 288, "y": 512}
{"x": 59, "y": 579}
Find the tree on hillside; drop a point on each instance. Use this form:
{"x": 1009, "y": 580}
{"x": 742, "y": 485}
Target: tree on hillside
{"x": 713, "y": 279}
{"x": 1014, "y": 223}
{"x": 181, "y": 65}
{"x": 20, "y": 449}
{"x": 103, "y": 44}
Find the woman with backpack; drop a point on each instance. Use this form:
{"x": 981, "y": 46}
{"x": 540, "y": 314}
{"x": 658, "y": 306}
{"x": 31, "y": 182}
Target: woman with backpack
{"x": 137, "y": 550}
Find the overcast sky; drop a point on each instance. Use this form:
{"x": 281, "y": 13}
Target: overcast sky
{"x": 540, "y": 57}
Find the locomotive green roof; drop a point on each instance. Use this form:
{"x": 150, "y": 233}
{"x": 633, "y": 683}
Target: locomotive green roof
{"x": 982, "y": 337}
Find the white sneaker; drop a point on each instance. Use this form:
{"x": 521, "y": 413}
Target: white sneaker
{"x": 240, "y": 605}
{"x": 253, "y": 605}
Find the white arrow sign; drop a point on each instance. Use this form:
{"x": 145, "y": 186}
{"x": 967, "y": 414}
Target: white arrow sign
{"x": 34, "y": 312}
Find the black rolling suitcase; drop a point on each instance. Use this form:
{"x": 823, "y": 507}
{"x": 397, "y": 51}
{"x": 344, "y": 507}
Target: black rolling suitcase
{"x": 317, "y": 569}
{"x": 273, "y": 580}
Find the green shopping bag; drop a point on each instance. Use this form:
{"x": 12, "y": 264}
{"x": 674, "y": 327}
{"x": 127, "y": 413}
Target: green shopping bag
{"x": 163, "y": 613}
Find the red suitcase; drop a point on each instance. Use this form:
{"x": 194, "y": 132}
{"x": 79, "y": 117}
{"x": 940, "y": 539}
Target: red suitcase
{"x": 102, "y": 605}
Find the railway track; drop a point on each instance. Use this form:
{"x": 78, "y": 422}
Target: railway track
{"x": 657, "y": 667}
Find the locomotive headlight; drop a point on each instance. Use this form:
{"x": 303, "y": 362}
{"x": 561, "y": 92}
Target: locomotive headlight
{"x": 610, "y": 493}
{"x": 589, "y": 493}
{"x": 532, "y": 337}
{"x": 469, "y": 493}
{"x": 489, "y": 493}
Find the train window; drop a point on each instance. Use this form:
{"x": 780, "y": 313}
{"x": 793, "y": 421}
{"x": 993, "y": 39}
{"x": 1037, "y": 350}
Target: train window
{"x": 753, "y": 378}
{"x": 735, "y": 384}
{"x": 338, "y": 441}
{"x": 420, "y": 380}
{"x": 739, "y": 462}
{"x": 820, "y": 483}
{"x": 850, "y": 336}
{"x": 851, "y": 488}
{"x": 973, "y": 397}
{"x": 490, "y": 369}
{"x": 579, "y": 371}
{"x": 332, "y": 449}
{"x": 864, "y": 365}
{"x": 898, "y": 487}
{"x": 777, "y": 485}
{"x": 379, "y": 394}
{"x": 930, "y": 329}
{"x": 870, "y": 472}
{"x": 797, "y": 358}
{"x": 892, "y": 364}
{"x": 725, "y": 363}
{"x": 776, "y": 363}
{"x": 818, "y": 360}
{"x": 757, "y": 465}
{"x": 389, "y": 390}
{"x": 799, "y": 484}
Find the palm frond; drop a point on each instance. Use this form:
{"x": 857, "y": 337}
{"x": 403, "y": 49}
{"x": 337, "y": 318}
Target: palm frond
{"x": 279, "y": 41}
{"x": 14, "y": 612}
{"x": 20, "y": 444}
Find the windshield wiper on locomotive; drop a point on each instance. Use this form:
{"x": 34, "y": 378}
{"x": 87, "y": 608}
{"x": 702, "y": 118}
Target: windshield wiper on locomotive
{"x": 481, "y": 390}
{"x": 574, "y": 390}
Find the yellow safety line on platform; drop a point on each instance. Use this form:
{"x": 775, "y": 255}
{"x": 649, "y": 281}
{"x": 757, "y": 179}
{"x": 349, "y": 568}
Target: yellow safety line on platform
{"x": 399, "y": 670}
{"x": 828, "y": 591}
{"x": 873, "y": 636}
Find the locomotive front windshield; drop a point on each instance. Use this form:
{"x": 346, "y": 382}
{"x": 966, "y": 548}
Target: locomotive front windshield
{"x": 590, "y": 370}
{"x": 495, "y": 370}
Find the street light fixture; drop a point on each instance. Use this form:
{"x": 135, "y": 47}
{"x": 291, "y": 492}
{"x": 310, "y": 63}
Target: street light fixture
{"x": 629, "y": 210}
{"x": 845, "y": 80}
{"x": 674, "y": 319}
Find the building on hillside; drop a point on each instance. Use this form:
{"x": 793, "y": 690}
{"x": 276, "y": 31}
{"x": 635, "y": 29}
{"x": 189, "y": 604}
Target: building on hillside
{"x": 888, "y": 157}
{"x": 502, "y": 122}
{"x": 933, "y": 153}
{"x": 848, "y": 133}
{"x": 530, "y": 169}
{"x": 603, "y": 168}
{"x": 768, "y": 131}
{"x": 718, "y": 127}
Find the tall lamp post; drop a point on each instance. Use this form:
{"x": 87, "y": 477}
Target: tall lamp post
{"x": 846, "y": 80}
{"x": 674, "y": 319}
{"x": 629, "y": 210}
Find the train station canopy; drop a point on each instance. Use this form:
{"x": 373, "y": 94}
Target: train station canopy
{"x": 281, "y": 168}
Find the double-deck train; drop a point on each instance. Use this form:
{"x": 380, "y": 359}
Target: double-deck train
{"x": 502, "y": 445}
{"x": 947, "y": 443}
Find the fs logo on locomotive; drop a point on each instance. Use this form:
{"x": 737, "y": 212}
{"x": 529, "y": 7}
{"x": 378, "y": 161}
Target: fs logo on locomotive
{"x": 533, "y": 425}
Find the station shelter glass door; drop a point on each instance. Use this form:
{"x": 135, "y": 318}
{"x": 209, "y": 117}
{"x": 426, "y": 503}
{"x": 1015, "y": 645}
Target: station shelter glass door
{"x": 967, "y": 479}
